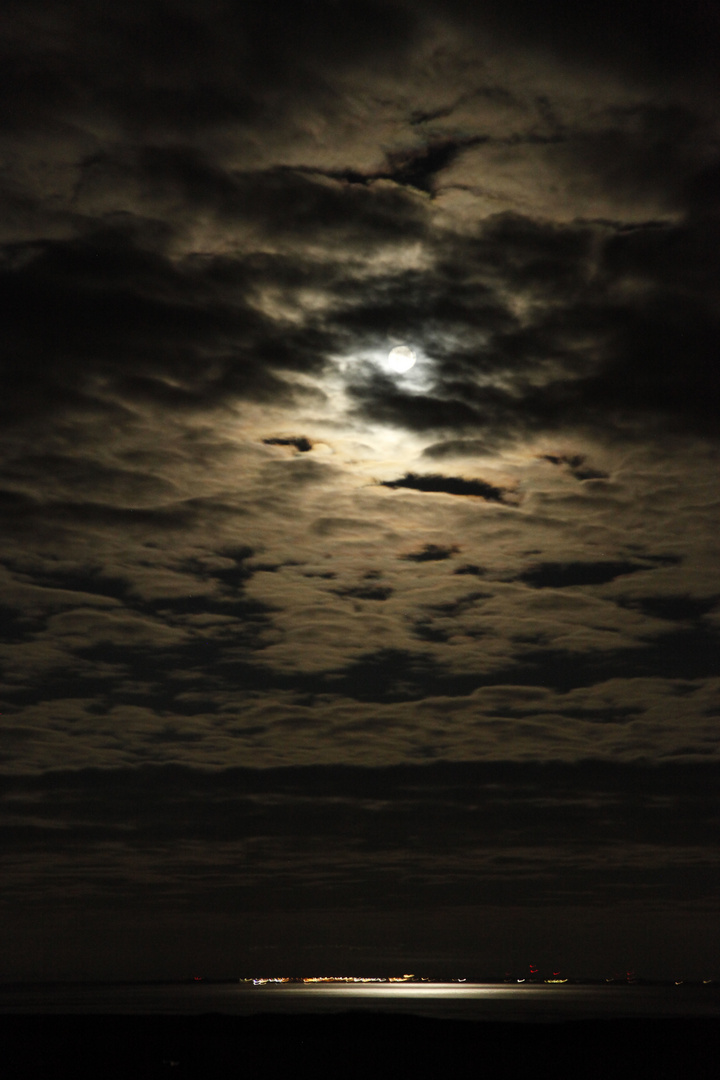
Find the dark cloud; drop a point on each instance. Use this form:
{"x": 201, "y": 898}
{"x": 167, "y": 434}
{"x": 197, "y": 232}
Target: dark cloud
{"x": 663, "y": 365}
{"x": 653, "y": 40}
{"x": 690, "y": 653}
{"x": 576, "y": 466}
{"x": 453, "y": 821}
{"x": 457, "y": 448}
{"x": 298, "y": 441}
{"x": 417, "y": 168}
{"x": 216, "y": 221}
{"x": 449, "y": 485}
{"x": 612, "y": 356}
{"x": 366, "y": 592}
{"x": 673, "y": 608}
{"x": 565, "y": 575}
{"x": 459, "y": 605}
{"x": 431, "y": 553}
{"x": 186, "y": 58}
{"x": 141, "y": 325}
{"x": 382, "y": 401}
{"x": 24, "y": 514}
{"x": 15, "y": 626}
{"x": 283, "y": 201}
{"x": 390, "y": 304}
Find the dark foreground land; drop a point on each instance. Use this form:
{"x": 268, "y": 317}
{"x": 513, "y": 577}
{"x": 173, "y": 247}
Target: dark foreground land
{"x": 352, "y": 1045}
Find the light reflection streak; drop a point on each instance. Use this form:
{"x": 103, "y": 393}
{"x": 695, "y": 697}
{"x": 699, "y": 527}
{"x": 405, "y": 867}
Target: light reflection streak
{"x": 480, "y": 1001}
{"x": 401, "y": 990}
{"x": 475, "y": 1001}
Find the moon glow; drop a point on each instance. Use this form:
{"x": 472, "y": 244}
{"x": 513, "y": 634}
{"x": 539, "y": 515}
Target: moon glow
{"x": 401, "y": 359}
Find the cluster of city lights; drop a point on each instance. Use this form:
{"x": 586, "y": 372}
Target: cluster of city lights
{"x": 534, "y": 977}
{"x": 556, "y": 980}
{"x": 333, "y": 979}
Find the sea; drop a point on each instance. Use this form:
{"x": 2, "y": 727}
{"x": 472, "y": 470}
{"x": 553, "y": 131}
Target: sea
{"x": 491, "y": 1002}
{"x": 206, "y": 1030}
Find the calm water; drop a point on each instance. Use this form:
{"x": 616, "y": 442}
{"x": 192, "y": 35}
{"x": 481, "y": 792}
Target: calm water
{"x": 478, "y": 1001}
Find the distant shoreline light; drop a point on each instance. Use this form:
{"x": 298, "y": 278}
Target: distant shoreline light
{"x": 335, "y": 979}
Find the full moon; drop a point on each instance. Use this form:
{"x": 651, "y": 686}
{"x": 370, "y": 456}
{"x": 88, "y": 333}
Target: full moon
{"x": 401, "y": 358}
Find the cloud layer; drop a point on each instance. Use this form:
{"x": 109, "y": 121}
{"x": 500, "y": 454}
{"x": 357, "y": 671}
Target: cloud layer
{"x": 232, "y": 540}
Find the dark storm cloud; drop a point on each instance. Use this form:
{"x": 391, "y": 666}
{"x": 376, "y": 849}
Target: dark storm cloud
{"x": 459, "y": 605}
{"x": 388, "y": 675}
{"x": 283, "y": 201}
{"x": 595, "y": 828}
{"x": 674, "y": 608}
{"x": 650, "y": 39}
{"x": 298, "y": 441}
{"x": 565, "y": 575}
{"x": 98, "y": 636}
{"x": 417, "y": 168}
{"x": 22, "y": 514}
{"x": 576, "y": 465}
{"x": 390, "y": 303}
{"x": 449, "y": 485}
{"x": 690, "y": 653}
{"x": 661, "y": 255}
{"x": 366, "y": 592}
{"x": 665, "y": 365}
{"x": 216, "y": 218}
{"x": 101, "y": 305}
{"x": 114, "y": 300}
{"x": 115, "y": 486}
{"x": 126, "y": 323}
{"x": 186, "y": 68}
{"x": 15, "y": 625}
{"x": 149, "y": 651}
{"x": 431, "y": 553}
{"x": 380, "y": 400}
{"x": 420, "y": 168}
{"x": 659, "y": 372}
{"x": 611, "y": 355}
{"x": 457, "y": 448}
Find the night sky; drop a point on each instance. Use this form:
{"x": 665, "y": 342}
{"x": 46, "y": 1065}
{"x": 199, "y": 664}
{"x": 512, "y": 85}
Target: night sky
{"x": 311, "y": 665}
